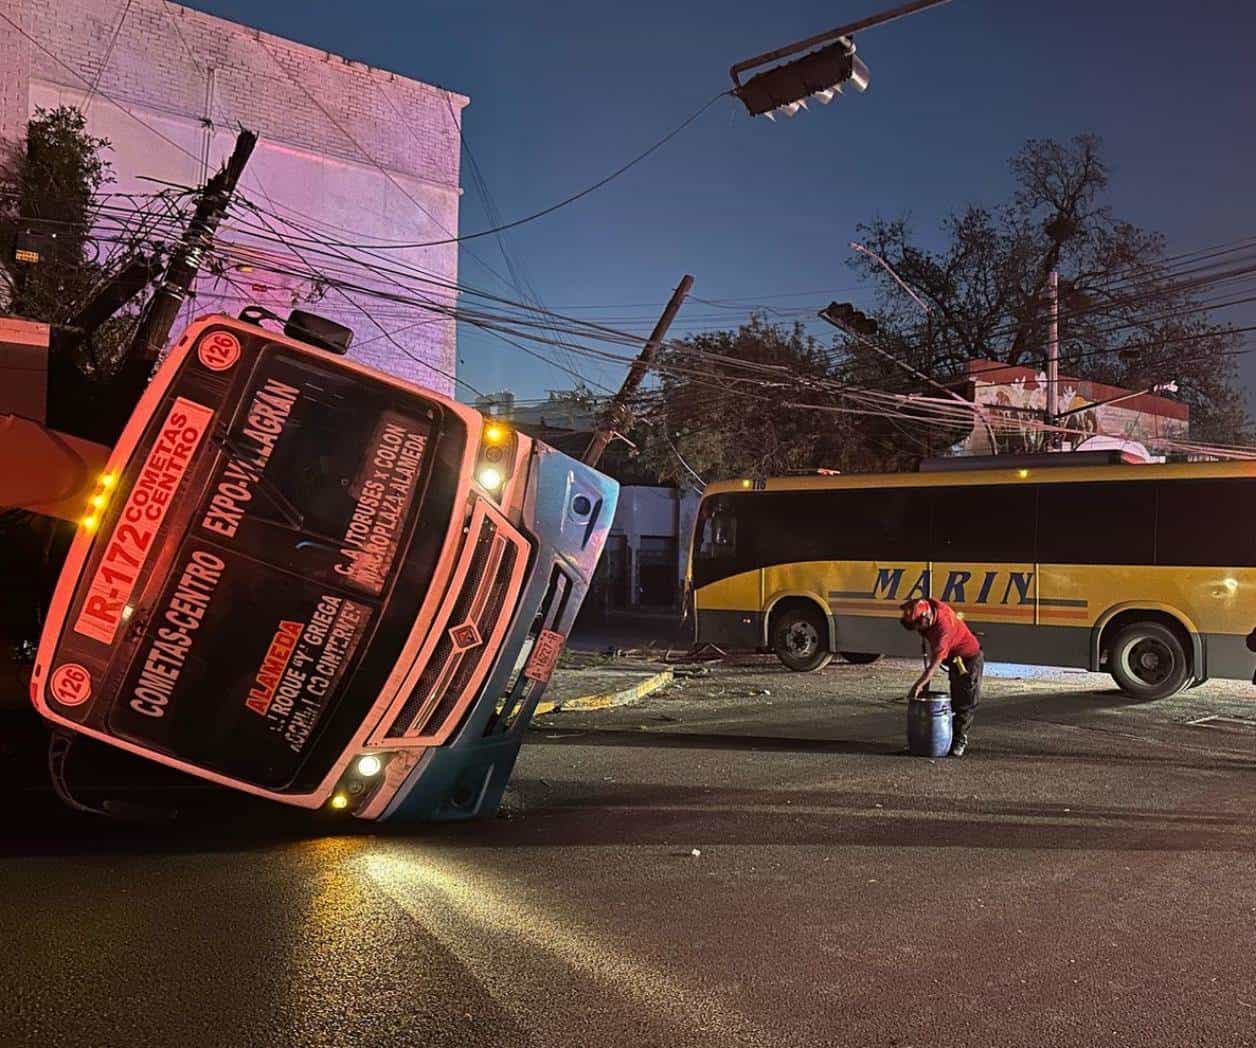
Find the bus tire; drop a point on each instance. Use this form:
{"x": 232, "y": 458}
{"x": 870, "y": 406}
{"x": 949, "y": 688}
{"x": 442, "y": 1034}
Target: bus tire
{"x": 860, "y": 658}
{"x": 800, "y": 638}
{"x": 1149, "y": 661}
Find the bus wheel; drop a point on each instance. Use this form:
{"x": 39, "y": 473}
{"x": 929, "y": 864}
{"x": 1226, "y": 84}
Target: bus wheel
{"x": 1149, "y": 661}
{"x": 860, "y": 658}
{"x": 799, "y": 638}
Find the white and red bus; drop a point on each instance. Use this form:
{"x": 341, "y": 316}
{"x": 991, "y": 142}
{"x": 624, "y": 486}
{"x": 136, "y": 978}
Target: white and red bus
{"x": 313, "y": 582}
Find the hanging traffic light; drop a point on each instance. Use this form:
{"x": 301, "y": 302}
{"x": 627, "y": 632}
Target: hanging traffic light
{"x": 820, "y": 75}
{"x": 848, "y": 318}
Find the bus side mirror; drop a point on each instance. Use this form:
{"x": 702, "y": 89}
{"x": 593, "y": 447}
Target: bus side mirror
{"x": 318, "y": 331}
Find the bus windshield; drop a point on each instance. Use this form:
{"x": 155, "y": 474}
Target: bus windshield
{"x": 244, "y": 646}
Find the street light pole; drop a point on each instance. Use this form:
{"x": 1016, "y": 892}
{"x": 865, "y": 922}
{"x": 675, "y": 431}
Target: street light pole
{"x": 925, "y": 308}
{"x": 1053, "y": 348}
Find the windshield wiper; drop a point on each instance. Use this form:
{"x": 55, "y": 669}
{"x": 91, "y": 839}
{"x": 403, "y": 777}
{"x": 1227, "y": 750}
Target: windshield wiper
{"x": 281, "y": 502}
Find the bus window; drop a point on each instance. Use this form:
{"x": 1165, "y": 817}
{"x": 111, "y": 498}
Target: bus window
{"x": 1207, "y": 522}
{"x": 1100, "y": 523}
{"x": 986, "y": 523}
{"x": 720, "y": 531}
{"x": 878, "y": 523}
{"x": 263, "y": 670}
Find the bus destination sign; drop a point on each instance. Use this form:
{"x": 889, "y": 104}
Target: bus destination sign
{"x": 130, "y": 544}
{"x": 239, "y": 665}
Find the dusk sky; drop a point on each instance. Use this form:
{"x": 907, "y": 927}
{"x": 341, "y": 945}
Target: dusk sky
{"x": 760, "y": 212}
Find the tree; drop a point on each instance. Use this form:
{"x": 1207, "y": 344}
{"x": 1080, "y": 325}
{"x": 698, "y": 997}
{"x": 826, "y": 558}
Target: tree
{"x": 711, "y": 417}
{"x": 53, "y": 183}
{"x": 1127, "y": 315}
{"x": 55, "y": 180}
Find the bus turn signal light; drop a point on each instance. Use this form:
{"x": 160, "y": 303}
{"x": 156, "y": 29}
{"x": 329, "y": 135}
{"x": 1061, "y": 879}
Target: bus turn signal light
{"x": 340, "y": 801}
{"x": 494, "y": 434}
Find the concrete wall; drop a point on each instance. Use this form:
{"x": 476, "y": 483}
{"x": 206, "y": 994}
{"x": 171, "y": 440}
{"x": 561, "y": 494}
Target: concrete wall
{"x": 349, "y": 151}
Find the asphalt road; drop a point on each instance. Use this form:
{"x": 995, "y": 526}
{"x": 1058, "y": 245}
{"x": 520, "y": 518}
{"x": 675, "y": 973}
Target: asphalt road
{"x": 1086, "y": 876}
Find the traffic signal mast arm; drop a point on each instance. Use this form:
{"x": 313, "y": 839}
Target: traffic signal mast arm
{"x": 860, "y": 326}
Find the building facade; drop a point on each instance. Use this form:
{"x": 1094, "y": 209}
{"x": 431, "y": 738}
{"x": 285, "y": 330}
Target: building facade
{"x": 644, "y": 562}
{"x": 346, "y": 152}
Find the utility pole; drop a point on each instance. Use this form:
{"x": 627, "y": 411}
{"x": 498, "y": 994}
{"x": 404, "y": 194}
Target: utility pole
{"x": 1053, "y": 351}
{"x": 111, "y": 412}
{"x": 616, "y": 414}
{"x": 185, "y": 260}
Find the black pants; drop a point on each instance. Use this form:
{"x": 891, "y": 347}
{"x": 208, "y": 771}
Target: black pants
{"x": 965, "y": 691}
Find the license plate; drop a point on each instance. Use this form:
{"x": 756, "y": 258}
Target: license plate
{"x": 544, "y": 657}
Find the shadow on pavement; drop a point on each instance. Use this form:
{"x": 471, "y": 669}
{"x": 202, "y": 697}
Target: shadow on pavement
{"x": 598, "y": 813}
{"x": 696, "y": 740}
{"x": 609, "y": 814}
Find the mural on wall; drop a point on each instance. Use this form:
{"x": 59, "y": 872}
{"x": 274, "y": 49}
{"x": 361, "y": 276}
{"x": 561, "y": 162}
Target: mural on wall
{"x": 1018, "y": 396}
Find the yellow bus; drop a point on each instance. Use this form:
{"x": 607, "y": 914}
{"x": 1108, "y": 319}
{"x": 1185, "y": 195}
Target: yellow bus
{"x": 1145, "y": 571}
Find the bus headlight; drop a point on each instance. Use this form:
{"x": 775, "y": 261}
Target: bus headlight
{"x": 360, "y": 781}
{"x": 498, "y": 444}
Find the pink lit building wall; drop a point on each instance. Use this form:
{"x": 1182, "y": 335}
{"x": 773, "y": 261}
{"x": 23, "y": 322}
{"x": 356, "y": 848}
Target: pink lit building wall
{"x": 355, "y": 153}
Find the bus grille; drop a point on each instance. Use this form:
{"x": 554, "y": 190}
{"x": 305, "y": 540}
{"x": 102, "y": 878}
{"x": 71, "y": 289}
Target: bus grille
{"x": 520, "y": 690}
{"x": 461, "y": 652}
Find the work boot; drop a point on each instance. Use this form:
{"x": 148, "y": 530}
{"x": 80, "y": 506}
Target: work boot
{"x": 958, "y": 745}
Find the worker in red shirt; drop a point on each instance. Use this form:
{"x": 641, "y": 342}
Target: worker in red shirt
{"x": 947, "y": 640}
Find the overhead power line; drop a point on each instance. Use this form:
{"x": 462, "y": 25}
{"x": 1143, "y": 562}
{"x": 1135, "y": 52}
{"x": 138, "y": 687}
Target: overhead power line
{"x": 622, "y": 169}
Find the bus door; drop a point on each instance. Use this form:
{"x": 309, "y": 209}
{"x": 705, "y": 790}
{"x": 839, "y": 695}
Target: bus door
{"x": 983, "y": 561}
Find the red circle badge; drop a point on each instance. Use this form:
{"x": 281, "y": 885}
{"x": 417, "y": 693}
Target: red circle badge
{"x": 70, "y": 684}
{"x": 219, "y": 350}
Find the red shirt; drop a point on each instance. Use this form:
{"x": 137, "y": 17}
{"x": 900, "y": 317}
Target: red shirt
{"x": 949, "y": 634}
